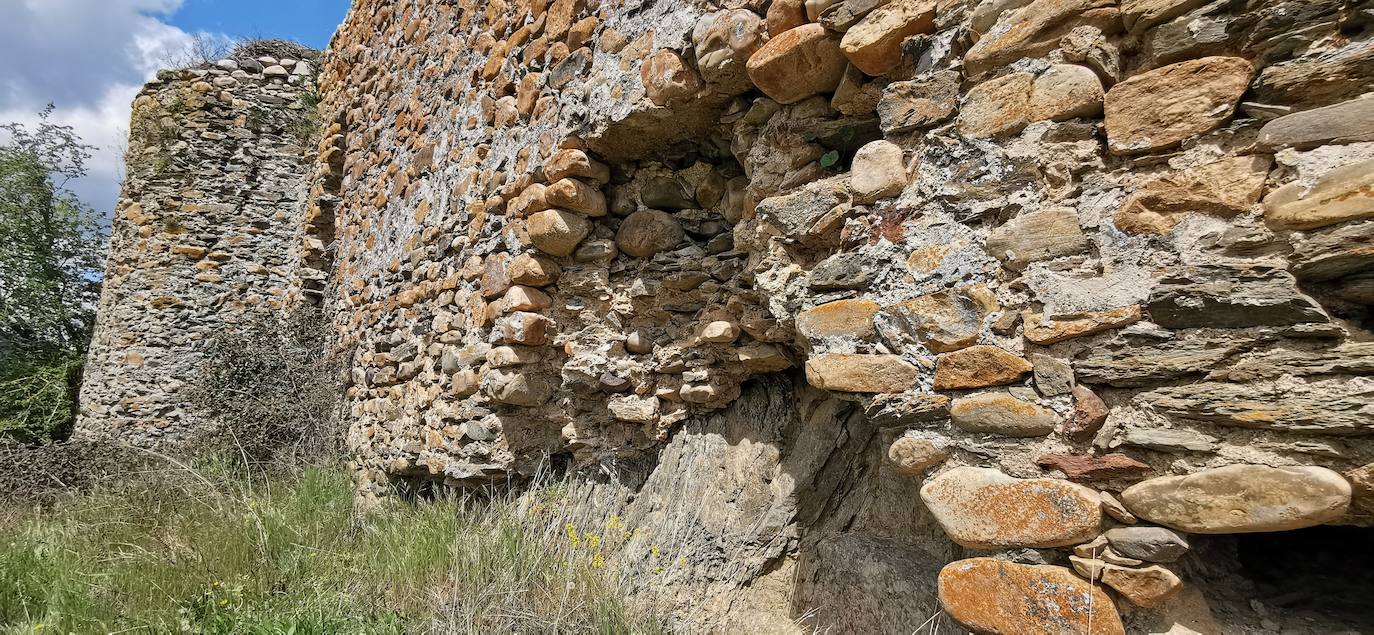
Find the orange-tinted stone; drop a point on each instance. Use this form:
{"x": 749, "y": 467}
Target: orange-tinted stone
{"x": 844, "y": 317}
{"x": 977, "y": 367}
{"x": 1045, "y": 332}
{"x": 982, "y": 508}
{"x": 802, "y": 62}
{"x": 995, "y": 596}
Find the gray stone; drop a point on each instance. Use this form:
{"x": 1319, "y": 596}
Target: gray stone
{"x": 1087, "y": 45}
{"x": 1001, "y": 413}
{"x": 1151, "y": 544}
{"x": 1318, "y": 80}
{"x": 1347, "y": 122}
{"x": 1330, "y": 407}
{"x": 1335, "y": 252}
{"x": 1053, "y": 376}
{"x": 841, "y": 272}
{"x": 1126, "y": 362}
{"x": 648, "y": 232}
{"x": 906, "y": 409}
{"x": 1321, "y": 358}
{"x": 1170, "y": 440}
{"x": 1221, "y": 296}
{"x": 1040, "y": 235}
{"x": 665, "y": 192}
{"x": 795, "y": 213}
{"x": 919, "y": 103}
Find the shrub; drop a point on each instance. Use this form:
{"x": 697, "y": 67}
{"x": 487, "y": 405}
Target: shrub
{"x": 37, "y": 395}
{"x": 259, "y": 47}
{"x": 40, "y": 474}
{"x": 271, "y": 390}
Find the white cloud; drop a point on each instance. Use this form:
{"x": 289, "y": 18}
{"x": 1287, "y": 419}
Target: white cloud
{"x": 89, "y": 58}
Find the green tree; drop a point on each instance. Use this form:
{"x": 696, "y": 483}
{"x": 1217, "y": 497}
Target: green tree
{"x": 51, "y": 247}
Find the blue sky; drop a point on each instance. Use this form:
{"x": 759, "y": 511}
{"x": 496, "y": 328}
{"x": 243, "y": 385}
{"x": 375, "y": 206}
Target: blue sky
{"x": 89, "y": 58}
{"x": 310, "y": 22}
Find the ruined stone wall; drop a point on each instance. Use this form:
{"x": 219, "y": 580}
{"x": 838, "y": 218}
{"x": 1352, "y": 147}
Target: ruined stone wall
{"x": 1054, "y": 266}
{"x": 864, "y": 315}
{"x": 205, "y": 236}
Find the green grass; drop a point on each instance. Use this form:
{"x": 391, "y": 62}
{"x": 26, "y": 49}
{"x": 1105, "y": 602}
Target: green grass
{"x": 206, "y": 551}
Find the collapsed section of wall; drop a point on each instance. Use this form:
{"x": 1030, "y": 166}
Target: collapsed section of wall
{"x": 205, "y": 235}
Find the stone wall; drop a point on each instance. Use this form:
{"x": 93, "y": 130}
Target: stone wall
{"x": 205, "y": 236}
{"x": 869, "y": 315}
{"x": 1075, "y": 264}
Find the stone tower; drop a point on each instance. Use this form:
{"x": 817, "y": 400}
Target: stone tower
{"x": 206, "y": 233}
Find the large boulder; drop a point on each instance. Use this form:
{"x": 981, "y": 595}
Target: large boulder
{"x": 996, "y": 596}
{"x": 1241, "y": 499}
{"x": 647, "y": 232}
{"x": 556, "y": 232}
{"x": 802, "y": 62}
{"x": 982, "y": 508}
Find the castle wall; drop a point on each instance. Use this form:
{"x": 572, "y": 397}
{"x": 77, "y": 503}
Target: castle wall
{"x": 204, "y": 237}
{"x": 1069, "y": 262}
{"x": 863, "y": 310}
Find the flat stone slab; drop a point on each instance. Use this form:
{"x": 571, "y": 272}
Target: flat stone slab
{"x": 983, "y": 508}
{"x": 995, "y": 596}
{"x": 1151, "y": 544}
{"x": 1241, "y": 499}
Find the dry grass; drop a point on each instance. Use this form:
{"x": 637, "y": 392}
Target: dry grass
{"x": 217, "y": 550}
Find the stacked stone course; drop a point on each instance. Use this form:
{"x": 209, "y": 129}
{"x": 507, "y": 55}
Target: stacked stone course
{"x": 1063, "y": 289}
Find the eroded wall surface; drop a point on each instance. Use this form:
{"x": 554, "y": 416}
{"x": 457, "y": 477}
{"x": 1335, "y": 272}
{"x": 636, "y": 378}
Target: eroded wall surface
{"x": 204, "y": 236}
{"x": 870, "y": 315}
{"x": 1074, "y": 265}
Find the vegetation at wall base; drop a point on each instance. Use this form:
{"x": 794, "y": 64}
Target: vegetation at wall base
{"x": 50, "y": 264}
{"x": 210, "y": 550}
{"x": 37, "y": 395}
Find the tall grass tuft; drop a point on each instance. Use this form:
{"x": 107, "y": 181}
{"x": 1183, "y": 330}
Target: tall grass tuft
{"x": 210, "y": 550}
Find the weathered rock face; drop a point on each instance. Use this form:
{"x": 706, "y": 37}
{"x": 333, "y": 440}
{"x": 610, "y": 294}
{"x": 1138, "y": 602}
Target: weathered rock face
{"x": 1048, "y": 241}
